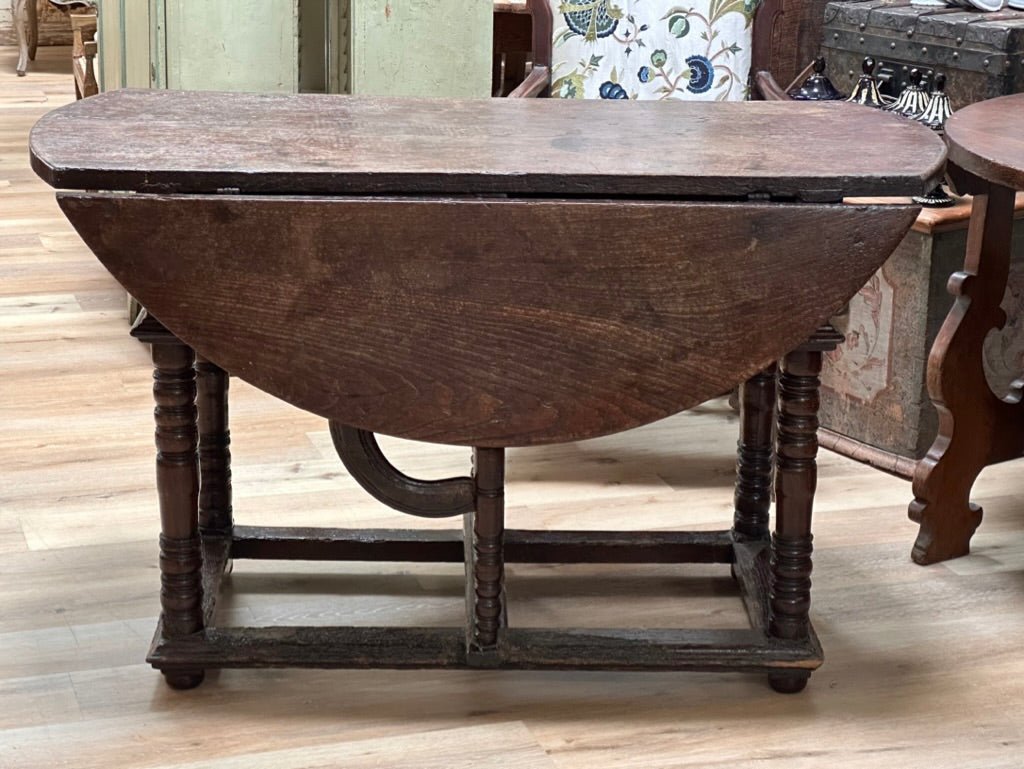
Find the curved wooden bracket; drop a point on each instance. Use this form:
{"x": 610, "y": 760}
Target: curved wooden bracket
{"x": 769, "y": 89}
{"x": 364, "y": 460}
{"x": 536, "y": 83}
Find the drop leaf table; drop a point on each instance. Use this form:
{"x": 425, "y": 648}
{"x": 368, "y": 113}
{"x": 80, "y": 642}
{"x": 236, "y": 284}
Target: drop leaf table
{"x": 487, "y": 273}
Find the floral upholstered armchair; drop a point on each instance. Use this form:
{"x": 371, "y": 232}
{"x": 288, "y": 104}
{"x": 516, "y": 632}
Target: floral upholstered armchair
{"x": 651, "y": 49}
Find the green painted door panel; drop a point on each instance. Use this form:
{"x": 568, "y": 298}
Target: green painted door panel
{"x": 231, "y": 46}
{"x": 123, "y": 38}
{"x": 421, "y": 47}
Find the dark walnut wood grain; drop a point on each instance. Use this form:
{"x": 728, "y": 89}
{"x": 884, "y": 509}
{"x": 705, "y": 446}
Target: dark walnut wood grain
{"x": 309, "y": 144}
{"x": 487, "y": 322}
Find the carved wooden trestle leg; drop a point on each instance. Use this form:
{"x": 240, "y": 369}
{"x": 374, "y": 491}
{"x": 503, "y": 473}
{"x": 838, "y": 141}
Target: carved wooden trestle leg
{"x": 976, "y": 427}
{"x": 177, "y": 477}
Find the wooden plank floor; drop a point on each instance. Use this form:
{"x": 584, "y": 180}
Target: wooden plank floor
{"x": 924, "y": 666}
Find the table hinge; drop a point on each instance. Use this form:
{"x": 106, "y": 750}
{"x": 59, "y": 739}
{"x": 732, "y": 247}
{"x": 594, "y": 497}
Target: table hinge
{"x": 228, "y": 191}
{"x": 759, "y": 196}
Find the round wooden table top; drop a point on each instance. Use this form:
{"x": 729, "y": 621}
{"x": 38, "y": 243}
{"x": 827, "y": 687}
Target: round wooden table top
{"x": 987, "y": 139}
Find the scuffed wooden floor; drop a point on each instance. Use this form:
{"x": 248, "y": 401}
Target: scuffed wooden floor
{"x": 924, "y": 666}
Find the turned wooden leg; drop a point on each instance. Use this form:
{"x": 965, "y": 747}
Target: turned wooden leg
{"x": 754, "y": 455}
{"x": 177, "y": 479}
{"x": 485, "y": 556}
{"x": 20, "y": 12}
{"x": 795, "y": 481}
{"x": 214, "y": 448}
{"x": 976, "y": 428}
{"x": 33, "y": 30}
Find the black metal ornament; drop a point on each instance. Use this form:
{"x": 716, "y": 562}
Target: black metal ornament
{"x": 817, "y": 87}
{"x": 914, "y": 99}
{"x": 938, "y": 109}
{"x": 934, "y": 115}
{"x": 866, "y": 92}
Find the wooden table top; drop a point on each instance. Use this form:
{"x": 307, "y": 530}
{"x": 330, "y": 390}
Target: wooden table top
{"x": 987, "y": 139}
{"x": 195, "y": 142}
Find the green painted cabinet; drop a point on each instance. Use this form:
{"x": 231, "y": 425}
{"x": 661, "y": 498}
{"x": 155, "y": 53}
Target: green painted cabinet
{"x": 259, "y": 45}
{"x": 124, "y": 41}
{"x": 421, "y": 47}
{"x": 381, "y": 47}
{"x": 219, "y": 46}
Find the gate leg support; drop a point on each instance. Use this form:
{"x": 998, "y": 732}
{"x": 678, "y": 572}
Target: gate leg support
{"x": 754, "y": 455}
{"x": 485, "y": 565}
{"x": 795, "y": 482}
{"x": 214, "y": 448}
{"x": 177, "y": 479}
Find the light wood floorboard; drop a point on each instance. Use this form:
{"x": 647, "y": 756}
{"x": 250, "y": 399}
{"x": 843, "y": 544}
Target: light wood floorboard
{"x": 923, "y": 668}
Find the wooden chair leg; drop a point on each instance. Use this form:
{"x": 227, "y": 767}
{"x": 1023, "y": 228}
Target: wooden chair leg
{"x": 795, "y": 482}
{"x": 485, "y": 566}
{"x": 177, "y": 478}
{"x": 215, "y": 513}
{"x": 33, "y": 30}
{"x": 754, "y": 456}
{"x": 20, "y": 11}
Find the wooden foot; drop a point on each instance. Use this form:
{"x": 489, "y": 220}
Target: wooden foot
{"x": 754, "y": 454}
{"x": 789, "y": 682}
{"x": 976, "y": 428}
{"x": 188, "y": 679}
{"x": 795, "y": 481}
{"x": 947, "y": 522}
{"x": 177, "y": 478}
{"x": 485, "y": 600}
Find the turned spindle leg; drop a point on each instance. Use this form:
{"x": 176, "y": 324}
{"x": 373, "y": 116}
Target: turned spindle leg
{"x": 485, "y": 557}
{"x": 20, "y": 11}
{"x": 795, "y": 481}
{"x": 177, "y": 479}
{"x": 754, "y": 457}
{"x": 214, "y": 448}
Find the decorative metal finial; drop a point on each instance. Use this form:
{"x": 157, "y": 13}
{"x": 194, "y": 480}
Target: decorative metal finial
{"x": 935, "y": 115}
{"x": 939, "y": 109}
{"x": 914, "y": 99}
{"x": 866, "y": 92}
{"x": 817, "y": 87}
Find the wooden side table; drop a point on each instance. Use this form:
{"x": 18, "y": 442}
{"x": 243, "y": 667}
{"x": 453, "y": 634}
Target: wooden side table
{"x": 488, "y": 273}
{"x": 976, "y": 427}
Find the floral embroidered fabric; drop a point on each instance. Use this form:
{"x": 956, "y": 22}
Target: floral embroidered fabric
{"x": 652, "y": 49}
